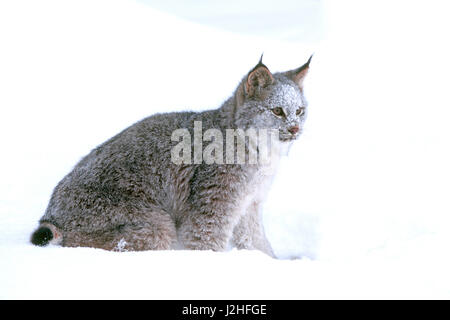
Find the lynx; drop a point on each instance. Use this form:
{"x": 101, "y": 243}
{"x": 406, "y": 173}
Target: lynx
{"x": 128, "y": 195}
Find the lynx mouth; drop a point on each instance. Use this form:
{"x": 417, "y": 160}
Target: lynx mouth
{"x": 286, "y": 137}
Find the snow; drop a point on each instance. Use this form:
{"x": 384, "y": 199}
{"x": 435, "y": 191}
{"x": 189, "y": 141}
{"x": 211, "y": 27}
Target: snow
{"x": 362, "y": 199}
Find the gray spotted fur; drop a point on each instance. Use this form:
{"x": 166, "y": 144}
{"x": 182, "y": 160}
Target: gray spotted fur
{"x": 127, "y": 195}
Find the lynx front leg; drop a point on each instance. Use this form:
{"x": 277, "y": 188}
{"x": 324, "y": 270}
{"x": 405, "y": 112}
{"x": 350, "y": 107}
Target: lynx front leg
{"x": 210, "y": 230}
{"x": 249, "y": 232}
{"x": 213, "y": 207}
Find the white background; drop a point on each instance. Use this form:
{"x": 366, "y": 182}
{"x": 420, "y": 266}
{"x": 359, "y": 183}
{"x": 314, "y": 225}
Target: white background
{"x": 362, "y": 199}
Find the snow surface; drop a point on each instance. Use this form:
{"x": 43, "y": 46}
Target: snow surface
{"x": 362, "y": 199}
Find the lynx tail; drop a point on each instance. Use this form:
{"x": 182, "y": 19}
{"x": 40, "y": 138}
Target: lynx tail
{"x": 42, "y": 236}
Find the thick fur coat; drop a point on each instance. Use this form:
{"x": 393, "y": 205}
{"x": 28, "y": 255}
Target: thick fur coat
{"x": 127, "y": 194}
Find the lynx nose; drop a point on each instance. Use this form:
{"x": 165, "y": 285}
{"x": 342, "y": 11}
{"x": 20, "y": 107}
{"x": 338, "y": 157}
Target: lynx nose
{"x": 293, "y": 130}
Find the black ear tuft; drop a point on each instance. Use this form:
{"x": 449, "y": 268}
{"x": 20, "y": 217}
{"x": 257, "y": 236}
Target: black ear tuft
{"x": 260, "y": 59}
{"x": 306, "y": 65}
{"x": 299, "y": 74}
{"x": 41, "y": 236}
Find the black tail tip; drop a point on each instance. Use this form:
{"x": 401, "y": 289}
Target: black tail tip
{"x": 41, "y": 236}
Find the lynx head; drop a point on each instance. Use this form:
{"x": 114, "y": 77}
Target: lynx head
{"x": 272, "y": 101}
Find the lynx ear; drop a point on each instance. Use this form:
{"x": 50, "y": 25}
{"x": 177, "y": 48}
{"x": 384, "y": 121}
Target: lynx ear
{"x": 298, "y": 75}
{"x": 259, "y": 77}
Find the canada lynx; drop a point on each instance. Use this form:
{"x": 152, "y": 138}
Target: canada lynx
{"x": 128, "y": 194}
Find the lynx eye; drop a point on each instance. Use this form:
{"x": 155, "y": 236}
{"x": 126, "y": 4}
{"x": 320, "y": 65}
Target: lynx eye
{"x": 300, "y": 111}
{"x": 278, "y": 111}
